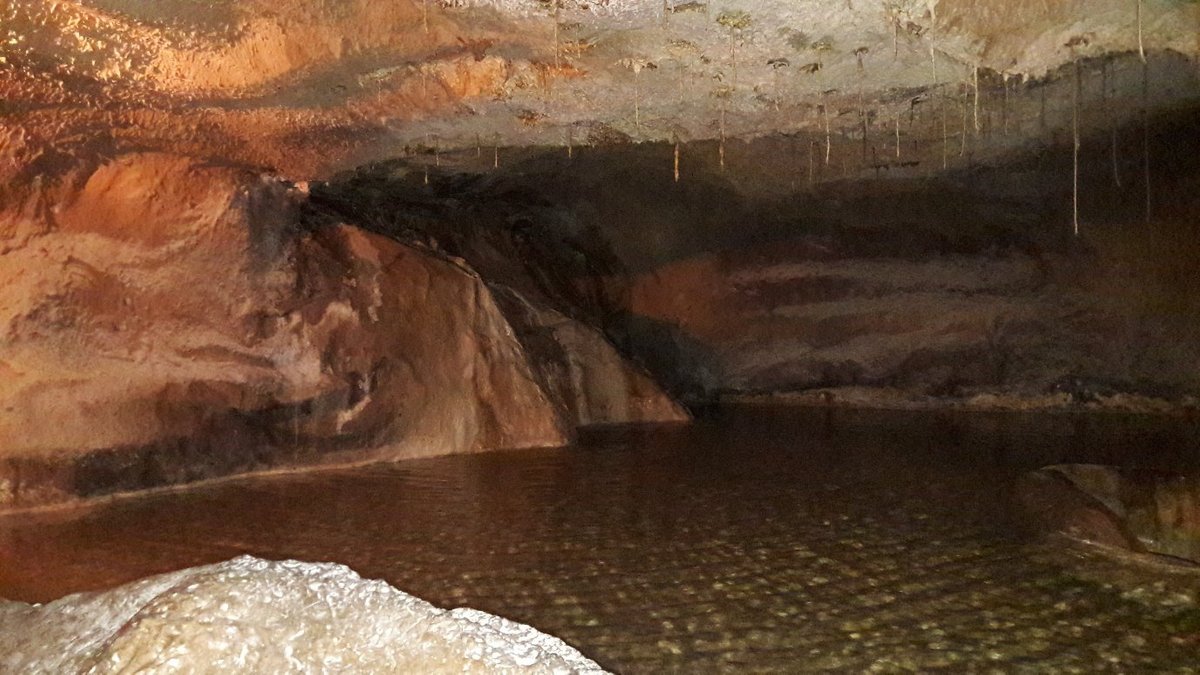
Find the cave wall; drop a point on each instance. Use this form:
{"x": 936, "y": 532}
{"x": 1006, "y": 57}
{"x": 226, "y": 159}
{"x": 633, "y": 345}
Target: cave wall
{"x": 165, "y": 320}
{"x": 770, "y": 275}
{"x": 587, "y": 202}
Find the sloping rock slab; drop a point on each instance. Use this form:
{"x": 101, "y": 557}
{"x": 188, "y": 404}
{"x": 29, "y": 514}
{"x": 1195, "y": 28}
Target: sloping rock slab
{"x": 165, "y": 320}
{"x": 249, "y": 615}
{"x": 1135, "y": 510}
{"x": 579, "y": 369}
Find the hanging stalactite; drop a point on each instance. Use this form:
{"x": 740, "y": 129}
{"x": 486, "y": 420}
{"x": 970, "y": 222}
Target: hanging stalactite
{"x": 897, "y": 136}
{"x": 676, "y": 160}
{"x": 975, "y": 82}
{"x": 1004, "y": 106}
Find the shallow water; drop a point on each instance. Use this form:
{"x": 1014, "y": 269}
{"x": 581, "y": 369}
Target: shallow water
{"x": 758, "y": 540}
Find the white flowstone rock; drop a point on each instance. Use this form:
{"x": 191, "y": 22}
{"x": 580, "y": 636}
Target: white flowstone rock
{"x": 248, "y": 615}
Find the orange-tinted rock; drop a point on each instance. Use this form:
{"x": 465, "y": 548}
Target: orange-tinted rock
{"x": 163, "y": 320}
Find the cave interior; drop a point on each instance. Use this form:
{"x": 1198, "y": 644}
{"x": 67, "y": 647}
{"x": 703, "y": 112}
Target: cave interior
{"x": 271, "y": 270}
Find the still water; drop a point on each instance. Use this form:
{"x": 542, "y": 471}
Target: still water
{"x": 758, "y": 540}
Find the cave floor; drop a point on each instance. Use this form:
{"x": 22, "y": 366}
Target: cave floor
{"x": 761, "y": 539}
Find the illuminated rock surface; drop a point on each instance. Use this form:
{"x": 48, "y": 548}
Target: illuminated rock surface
{"x": 1136, "y": 510}
{"x": 165, "y": 320}
{"x": 251, "y": 615}
{"x": 308, "y": 87}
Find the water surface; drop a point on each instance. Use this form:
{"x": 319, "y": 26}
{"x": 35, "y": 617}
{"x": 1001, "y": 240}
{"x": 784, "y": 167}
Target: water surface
{"x": 758, "y": 540}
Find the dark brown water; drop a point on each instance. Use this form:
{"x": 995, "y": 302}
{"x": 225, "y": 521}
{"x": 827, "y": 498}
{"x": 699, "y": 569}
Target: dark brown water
{"x": 759, "y": 540}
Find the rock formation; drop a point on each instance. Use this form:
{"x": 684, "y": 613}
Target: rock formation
{"x": 165, "y": 320}
{"x": 305, "y": 88}
{"x": 251, "y": 615}
{"x": 965, "y": 288}
{"x": 756, "y": 220}
{"x": 1136, "y": 510}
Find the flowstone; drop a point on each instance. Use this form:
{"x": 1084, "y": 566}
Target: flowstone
{"x": 252, "y": 615}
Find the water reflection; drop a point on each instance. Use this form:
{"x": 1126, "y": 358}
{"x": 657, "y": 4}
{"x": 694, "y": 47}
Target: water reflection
{"x": 767, "y": 539}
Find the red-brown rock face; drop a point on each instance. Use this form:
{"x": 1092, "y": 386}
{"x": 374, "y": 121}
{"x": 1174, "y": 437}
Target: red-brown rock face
{"x": 163, "y": 320}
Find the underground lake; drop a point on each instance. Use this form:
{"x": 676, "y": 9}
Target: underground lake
{"x": 761, "y": 538}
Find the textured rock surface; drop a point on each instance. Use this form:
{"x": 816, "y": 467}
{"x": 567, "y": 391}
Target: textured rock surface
{"x": 1049, "y": 503}
{"x": 582, "y": 371}
{"x": 1161, "y": 510}
{"x": 305, "y": 86}
{"x": 164, "y": 320}
{"x": 251, "y": 615}
{"x": 969, "y": 288}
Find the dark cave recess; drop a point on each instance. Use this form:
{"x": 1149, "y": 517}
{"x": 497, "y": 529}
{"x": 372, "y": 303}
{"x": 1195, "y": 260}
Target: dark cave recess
{"x": 952, "y": 283}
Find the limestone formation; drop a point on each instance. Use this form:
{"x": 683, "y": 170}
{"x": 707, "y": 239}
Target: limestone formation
{"x": 251, "y": 615}
{"x": 1159, "y": 511}
{"x": 309, "y": 87}
{"x": 164, "y": 320}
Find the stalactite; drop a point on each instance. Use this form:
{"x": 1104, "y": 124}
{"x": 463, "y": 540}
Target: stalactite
{"x": 962, "y": 150}
{"x": 637, "y": 105}
{"x": 721, "y": 146}
{"x": 975, "y": 81}
{"x": 828, "y": 133}
{"x": 1004, "y": 106}
{"x": 897, "y": 135}
{"x": 945, "y": 136}
{"x": 676, "y": 160}
{"x": 1141, "y": 44}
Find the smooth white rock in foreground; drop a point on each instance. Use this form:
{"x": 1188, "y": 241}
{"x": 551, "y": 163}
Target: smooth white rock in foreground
{"x": 256, "y": 616}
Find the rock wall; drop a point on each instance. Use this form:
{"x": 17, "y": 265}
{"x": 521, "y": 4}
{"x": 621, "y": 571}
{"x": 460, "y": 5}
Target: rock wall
{"x": 934, "y": 287}
{"x": 578, "y": 367}
{"x": 164, "y": 320}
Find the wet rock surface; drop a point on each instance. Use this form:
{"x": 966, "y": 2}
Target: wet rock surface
{"x": 767, "y": 540}
{"x": 1138, "y": 510}
{"x": 582, "y": 372}
{"x": 251, "y": 615}
{"x": 165, "y": 320}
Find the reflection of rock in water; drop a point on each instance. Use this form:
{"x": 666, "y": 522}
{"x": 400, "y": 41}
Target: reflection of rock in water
{"x": 251, "y": 615}
{"x": 1131, "y": 509}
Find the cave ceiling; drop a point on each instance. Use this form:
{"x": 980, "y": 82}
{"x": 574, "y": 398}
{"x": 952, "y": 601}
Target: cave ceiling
{"x": 309, "y": 86}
